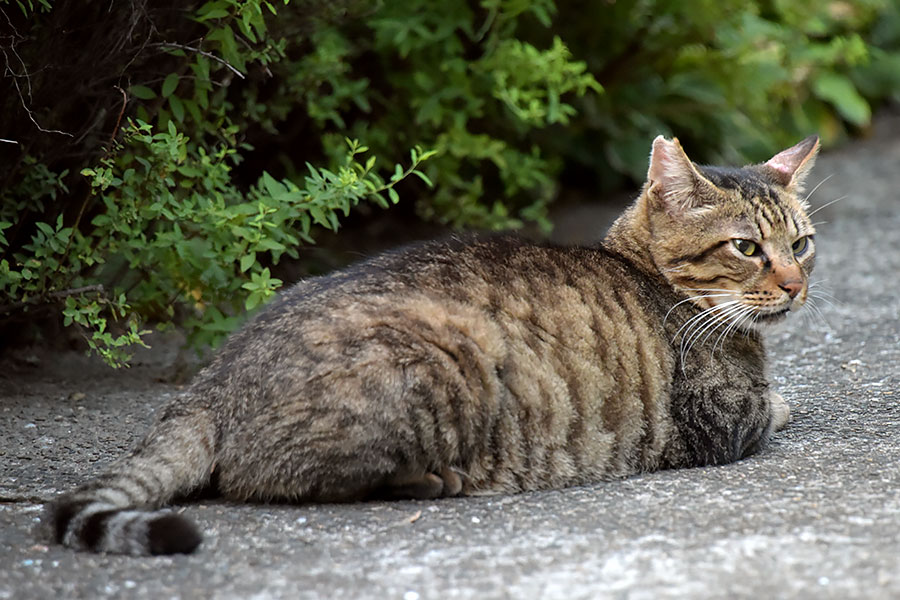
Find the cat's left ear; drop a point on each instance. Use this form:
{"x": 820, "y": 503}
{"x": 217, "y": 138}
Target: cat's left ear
{"x": 790, "y": 167}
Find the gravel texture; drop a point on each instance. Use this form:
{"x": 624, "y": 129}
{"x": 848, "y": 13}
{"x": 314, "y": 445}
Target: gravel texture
{"x": 816, "y": 515}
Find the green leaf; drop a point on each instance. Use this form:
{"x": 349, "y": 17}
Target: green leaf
{"x": 142, "y": 92}
{"x": 424, "y": 178}
{"x": 247, "y": 261}
{"x": 318, "y": 216}
{"x": 45, "y": 228}
{"x": 169, "y": 85}
{"x": 194, "y": 110}
{"x": 253, "y": 300}
{"x": 177, "y": 108}
{"x": 380, "y": 201}
{"x": 272, "y": 245}
{"x": 838, "y": 90}
{"x": 273, "y": 186}
{"x": 228, "y": 46}
{"x": 211, "y": 10}
{"x": 4, "y": 225}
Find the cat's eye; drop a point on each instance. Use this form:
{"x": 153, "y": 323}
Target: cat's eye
{"x": 747, "y": 248}
{"x": 800, "y": 246}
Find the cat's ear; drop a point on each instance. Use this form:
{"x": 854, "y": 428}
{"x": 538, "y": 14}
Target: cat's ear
{"x": 790, "y": 167}
{"x": 674, "y": 183}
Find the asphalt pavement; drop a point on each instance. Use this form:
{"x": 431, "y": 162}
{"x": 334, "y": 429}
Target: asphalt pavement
{"x": 815, "y": 515}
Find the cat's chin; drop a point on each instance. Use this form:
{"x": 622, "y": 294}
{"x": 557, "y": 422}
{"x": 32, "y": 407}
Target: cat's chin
{"x": 770, "y": 321}
{"x": 773, "y": 317}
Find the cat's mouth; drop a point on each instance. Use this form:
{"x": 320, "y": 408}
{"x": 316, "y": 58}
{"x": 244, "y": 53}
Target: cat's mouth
{"x": 774, "y": 316}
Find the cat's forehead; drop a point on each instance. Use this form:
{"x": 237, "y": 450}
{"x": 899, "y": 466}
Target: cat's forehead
{"x": 746, "y": 180}
{"x": 767, "y": 208}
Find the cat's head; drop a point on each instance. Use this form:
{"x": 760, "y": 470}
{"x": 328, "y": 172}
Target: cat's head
{"x": 738, "y": 239}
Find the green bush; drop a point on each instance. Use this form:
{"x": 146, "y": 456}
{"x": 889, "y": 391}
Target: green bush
{"x": 734, "y": 80}
{"x": 205, "y": 142}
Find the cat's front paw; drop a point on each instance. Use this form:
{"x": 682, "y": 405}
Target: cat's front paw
{"x": 781, "y": 413}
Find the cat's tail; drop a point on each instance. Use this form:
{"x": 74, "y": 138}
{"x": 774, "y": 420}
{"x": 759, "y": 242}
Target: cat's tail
{"x": 118, "y": 511}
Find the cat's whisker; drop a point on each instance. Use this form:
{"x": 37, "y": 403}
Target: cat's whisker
{"x": 753, "y": 316}
{"x": 735, "y": 323}
{"x": 824, "y": 297}
{"x": 754, "y": 319}
{"x": 691, "y": 299}
{"x": 818, "y": 290}
{"x": 711, "y": 319}
{"x": 813, "y": 316}
{"x": 812, "y": 302}
{"x": 734, "y": 326}
{"x": 826, "y": 205}
{"x": 806, "y": 317}
{"x": 689, "y": 324}
{"x": 710, "y": 329}
{"x": 725, "y": 317}
{"x": 817, "y": 223}
{"x": 821, "y": 291}
{"x": 692, "y": 325}
{"x": 818, "y": 185}
{"x": 829, "y": 300}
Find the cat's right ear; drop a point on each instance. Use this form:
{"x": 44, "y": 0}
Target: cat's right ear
{"x": 674, "y": 183}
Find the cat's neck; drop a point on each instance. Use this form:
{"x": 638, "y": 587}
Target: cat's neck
{"x": 629, "y": 236}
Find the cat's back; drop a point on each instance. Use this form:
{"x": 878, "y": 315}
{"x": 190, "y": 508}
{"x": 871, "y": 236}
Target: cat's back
{"x": 561, "y": 290}
{"x": 494, "y": 291}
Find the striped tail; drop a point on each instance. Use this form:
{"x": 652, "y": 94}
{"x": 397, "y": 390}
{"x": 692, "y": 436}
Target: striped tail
{"x": 117, "y": 512}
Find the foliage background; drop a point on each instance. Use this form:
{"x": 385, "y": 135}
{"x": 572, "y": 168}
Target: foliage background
{"x": 160, "y": 159}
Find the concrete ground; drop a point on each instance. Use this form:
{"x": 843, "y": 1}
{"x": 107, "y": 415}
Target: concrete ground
{"x": 816, "y": 515}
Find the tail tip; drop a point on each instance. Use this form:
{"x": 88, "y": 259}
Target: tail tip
{"x": 172, "y": 534}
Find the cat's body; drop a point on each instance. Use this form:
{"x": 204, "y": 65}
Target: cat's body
{"x": 487, "y": 366}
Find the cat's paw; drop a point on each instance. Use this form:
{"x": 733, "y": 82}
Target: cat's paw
{"x": 427, "y": 486}
{"x": 781, "y": 413}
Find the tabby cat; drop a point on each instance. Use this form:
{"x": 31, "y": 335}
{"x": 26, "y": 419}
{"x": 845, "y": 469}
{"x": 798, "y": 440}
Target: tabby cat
{"x": 488, "y": 366}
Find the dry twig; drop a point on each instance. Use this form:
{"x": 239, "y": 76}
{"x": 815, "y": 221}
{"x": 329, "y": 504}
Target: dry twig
{"x": 8, "y": 70}
{"x": 98, "y": 288}
{"x": 201, "y": 53}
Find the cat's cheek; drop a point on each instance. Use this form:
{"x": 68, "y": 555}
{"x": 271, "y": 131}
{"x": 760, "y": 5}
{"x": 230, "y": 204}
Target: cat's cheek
{"x": 800, "y": 300}
{"x": 808, "y": 264}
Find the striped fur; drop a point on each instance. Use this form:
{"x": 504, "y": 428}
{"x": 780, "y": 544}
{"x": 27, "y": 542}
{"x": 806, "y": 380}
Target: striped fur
{"x": 110, "y": 513}
{"x": 484, "y": 366}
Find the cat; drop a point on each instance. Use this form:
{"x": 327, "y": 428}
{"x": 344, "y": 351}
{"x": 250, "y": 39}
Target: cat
{"x": 488, "y": 366}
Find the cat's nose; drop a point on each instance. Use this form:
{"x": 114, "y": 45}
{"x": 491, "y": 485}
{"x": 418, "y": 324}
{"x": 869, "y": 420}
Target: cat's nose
{"x": 792, "y": 286}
